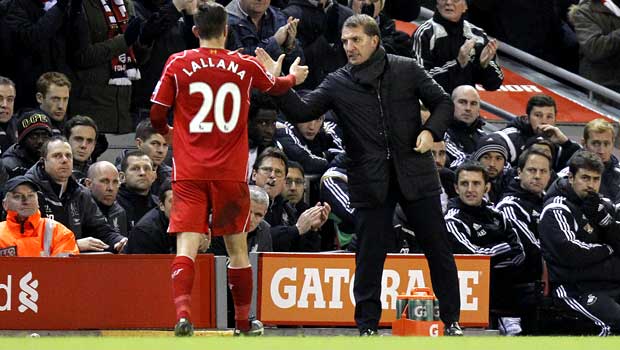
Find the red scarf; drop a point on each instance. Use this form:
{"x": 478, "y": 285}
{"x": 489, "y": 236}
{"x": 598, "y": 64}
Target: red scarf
{"x": 124, "y": 68}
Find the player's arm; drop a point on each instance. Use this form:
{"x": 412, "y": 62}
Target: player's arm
{"x": 159, "y": 120}
{"x": 163, "y": 98}
{"x": 269, "y": 68}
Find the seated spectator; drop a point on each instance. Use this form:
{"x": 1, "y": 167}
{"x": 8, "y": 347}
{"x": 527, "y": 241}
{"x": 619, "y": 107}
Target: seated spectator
{"x": 522, "y": 204}
{"x": 259, "y": 237}
{"x": 8, "y": 134}
{"x": 53, "y": 98}
{"x": 492, "y": 153}
{"x": 580, "y": 244}
{"x": 81, "y": 131}
{"x": 33, "y": 129}
{"x": 477, "y": 228}
{"x": 253, "y": 24}
{"x": 135, "y": 195}
{"x": 290, "y": 231}
{"x": 466, "y": 127}
{"x": 61, "y": 198}
{"x": 294, "y": 187}
{"x": 150, "y": 234}
{"x": 392, "y": 40}
{"x": 597, "y": 24}
{"x": 25, "y": 232}
{"x": 39, "y": 42}
{"x": 261, "y": 127}
{"x": 599, "y": 138}
{"x": 539, "y": 120}
{"x": 319, "y": 29}
{"x": 446, "y": 176}
{"x": 103, "y": 181}
{"x": 102, "y": 40}
{"x": 312, "y": 144}
{"x": 456, "y": 52}
{"x": 155, "y": 147}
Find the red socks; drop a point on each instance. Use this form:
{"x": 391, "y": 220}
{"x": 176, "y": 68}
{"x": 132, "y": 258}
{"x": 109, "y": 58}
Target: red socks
{"x": 182, "y": 274}
{"x": 240, "y": 284}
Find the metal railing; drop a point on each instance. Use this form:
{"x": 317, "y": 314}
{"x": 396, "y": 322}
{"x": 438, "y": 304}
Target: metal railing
{"x": 549, "y": 68}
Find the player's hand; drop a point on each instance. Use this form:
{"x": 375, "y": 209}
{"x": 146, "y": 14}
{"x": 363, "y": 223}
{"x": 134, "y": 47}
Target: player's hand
{"x": 424, "y": 142}
{"x": 118, "y": 247}
{"x": 281, "y": 34}
{"x": 205, "y": 242}
{"x": 273, "y": 67}
{"x": 488, "y": 53}
{"x": 465, "y": 52}
{"x": 91, "y": 244}
{"x": 169, "y": 136}
{"x": 553, "y": 133}
{"x": 300, "y": 72}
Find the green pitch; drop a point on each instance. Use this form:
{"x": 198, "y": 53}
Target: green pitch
{"x": 314, "y": 343}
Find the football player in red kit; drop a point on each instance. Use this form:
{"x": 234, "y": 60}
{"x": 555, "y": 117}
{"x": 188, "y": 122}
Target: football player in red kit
{"x": 209, "y": 89}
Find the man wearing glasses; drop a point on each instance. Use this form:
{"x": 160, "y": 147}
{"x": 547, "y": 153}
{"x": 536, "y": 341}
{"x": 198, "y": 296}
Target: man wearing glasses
{"x": 25, "y": 232}
{"x": 290, "y": 231}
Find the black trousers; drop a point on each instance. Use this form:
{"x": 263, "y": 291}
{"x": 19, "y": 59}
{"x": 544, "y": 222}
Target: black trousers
{"x": 375, "y": 236}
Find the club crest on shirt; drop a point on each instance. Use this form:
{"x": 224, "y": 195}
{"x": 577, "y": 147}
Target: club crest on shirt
{"x": 589, "y": 229}
{"x": 591, "y": 299}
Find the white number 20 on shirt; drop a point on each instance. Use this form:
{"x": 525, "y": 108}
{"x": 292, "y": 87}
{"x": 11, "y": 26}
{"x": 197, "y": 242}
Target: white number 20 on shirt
{"x": 198, "y": 123}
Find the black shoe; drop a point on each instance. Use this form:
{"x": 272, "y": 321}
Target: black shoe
{"x": 184, "y": 328}
{"x": 256, "y": 329}
{"x": 369, "y": 333}
{"x": 453, "y": 330}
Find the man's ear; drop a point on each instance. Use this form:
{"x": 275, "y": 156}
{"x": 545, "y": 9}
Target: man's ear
{"x": 121, "y": 176}
{"x": 487, "y": 187}
{"x": 39, "y": 97}
{"x": 253, "y": 177}
{"x": 196, "y": 32}
{"x": 139, "y": 143}
{"x": 87, "y": 182}
{"x": 4, "y": 205}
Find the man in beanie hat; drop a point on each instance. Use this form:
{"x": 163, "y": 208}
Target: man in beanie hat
{"x": 492, "y": 152}
{"x": 33, "y": 129}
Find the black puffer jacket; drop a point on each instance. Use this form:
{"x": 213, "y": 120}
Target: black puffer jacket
{"x": 75, "y": 209}
{"x": 461, "y": 140}
{"x": 17, "y": 161}
{"x": 377, "y": 103}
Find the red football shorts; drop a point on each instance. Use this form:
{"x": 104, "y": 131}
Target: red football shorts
{"x": 228, "y": 202}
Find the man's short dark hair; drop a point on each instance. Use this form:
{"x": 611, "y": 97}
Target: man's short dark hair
{"x": 163, "y": 189}
{"x": 79, "y": 120}
{"x": 474, "y": 166}
{"x": 540, "y": 100}
{"x": 368, "y": 24}
{"x": 211, "y": 19}
{"x": 585, "y": 160}
{"x": 523, "y": 158}
{"x": 272, "y": 152}
{"x": 295, "y": 165}
{"x": 6, "y": 81}
{"x": 125, "y": 161}
{"x": 144, "y": 130}
{"x": 50, "y": 140}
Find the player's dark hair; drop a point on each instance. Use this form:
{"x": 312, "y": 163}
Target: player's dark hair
{"x": 80, "y": 120}
{"x": 271, "y": 152}
{"x": 540, "y": 100}
{"x": 585, "y": 160}
{"x": 474, "y": 166}
{"x": 210, "y": 19}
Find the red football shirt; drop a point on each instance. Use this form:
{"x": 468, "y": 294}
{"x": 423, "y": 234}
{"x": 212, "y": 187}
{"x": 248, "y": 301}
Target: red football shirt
{"x": 209, "y": 91}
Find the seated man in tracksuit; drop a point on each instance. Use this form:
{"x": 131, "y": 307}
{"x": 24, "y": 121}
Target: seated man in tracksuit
{"x": 492, "y": 153}
{"x": 477, "y": 228}
{"x": 580, "y": 242}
